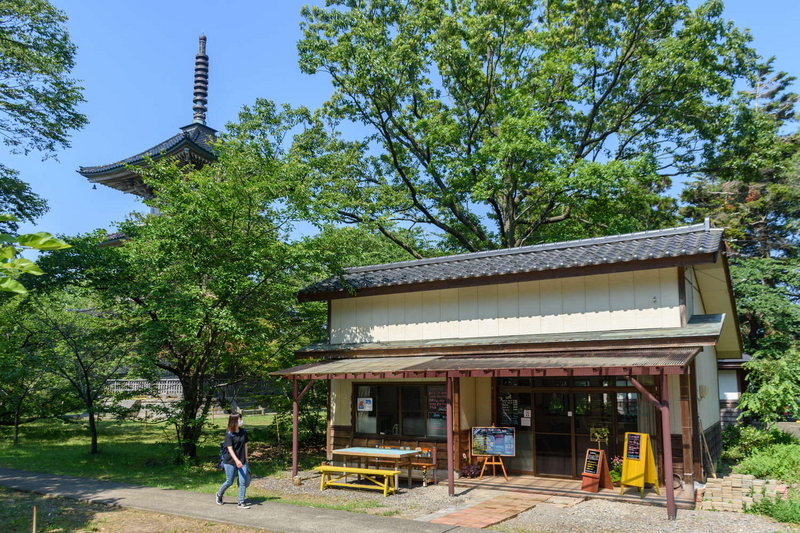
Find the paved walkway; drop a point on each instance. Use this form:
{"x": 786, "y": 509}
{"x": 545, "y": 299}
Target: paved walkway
{"x": 501, "y": 508}
{"x": 265, "y": 515}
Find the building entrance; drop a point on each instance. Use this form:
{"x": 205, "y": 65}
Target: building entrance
{"x": 553, "y": 418}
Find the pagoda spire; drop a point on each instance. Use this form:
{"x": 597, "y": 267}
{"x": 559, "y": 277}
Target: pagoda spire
{"x": 200, "y": 83}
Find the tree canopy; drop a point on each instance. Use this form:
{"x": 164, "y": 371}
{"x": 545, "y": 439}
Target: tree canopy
{"x": 503, "y": 123}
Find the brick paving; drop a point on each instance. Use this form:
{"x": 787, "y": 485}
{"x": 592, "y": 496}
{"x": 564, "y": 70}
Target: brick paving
{"x": 500, "y": 508}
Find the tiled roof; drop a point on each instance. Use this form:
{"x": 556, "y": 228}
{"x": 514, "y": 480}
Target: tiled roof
{"x": 196, "y": 135}
{"x": 646, "y": 245}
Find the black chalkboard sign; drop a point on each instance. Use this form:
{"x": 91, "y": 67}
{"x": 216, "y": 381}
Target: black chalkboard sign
{"x": 634, "y": 447}
{"x": 591, "y": 467}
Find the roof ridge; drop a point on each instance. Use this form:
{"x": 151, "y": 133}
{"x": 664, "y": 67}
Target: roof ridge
{"x": 560, "y": 245}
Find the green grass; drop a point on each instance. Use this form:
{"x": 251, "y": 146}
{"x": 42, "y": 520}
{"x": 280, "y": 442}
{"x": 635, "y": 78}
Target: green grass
{"x": 128, "y": 452}
{"x": 131, "y": 452}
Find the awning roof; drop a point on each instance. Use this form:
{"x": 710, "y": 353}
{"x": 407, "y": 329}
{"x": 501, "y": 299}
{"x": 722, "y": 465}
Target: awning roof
{"x": 568, "y": 363}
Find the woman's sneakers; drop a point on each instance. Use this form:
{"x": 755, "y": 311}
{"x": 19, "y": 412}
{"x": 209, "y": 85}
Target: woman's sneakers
{"x": 243, "y": 505}
{"x": 219, "y": 499}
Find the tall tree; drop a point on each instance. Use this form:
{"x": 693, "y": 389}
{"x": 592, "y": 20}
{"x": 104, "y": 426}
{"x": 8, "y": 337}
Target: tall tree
{"x": 83, "y": 346}
{"x": 504, "y": 123}
{"x": 760, "y": 207}
{"x": 28, "y": 391}
{"x": 38, "y": 99}
{"x": 209, "y": 283}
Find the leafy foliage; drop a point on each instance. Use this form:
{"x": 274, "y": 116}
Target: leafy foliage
{"x": 38, "y": 99}
{"x": 739, "y": 442}
{"x": 11, "y": 265}
{"x": 774, "y": 387}
{"x": 499, "y": 124}
{"x": 783, "y": 510}
{"x": 779, "y": 461}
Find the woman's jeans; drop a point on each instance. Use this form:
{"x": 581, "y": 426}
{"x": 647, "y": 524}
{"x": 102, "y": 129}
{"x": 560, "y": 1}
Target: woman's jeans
{"x": 230, "y": 470}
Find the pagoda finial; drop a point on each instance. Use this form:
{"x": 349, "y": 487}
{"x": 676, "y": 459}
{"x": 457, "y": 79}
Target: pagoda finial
{"x": 200, "y": 83}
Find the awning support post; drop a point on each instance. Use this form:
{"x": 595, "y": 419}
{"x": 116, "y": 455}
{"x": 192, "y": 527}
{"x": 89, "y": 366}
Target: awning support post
{"x": 296, "y": 421}
{"x": 451, "y": 481}
{"x": 663, "y": 407}
{"x": 667, "y": 433}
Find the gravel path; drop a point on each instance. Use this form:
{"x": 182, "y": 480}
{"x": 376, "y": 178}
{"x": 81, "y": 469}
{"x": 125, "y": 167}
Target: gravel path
{"x": 596, "y": 516}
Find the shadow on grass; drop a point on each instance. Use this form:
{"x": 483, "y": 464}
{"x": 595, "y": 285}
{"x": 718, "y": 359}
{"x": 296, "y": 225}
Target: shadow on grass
{"x": 52, "y": 514}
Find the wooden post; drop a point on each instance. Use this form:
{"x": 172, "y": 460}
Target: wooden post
{"x": 667, "y": 434}
{"x": 686, "y": 431}
{"x": 295, "y": 422}
{"x": 451, "y": 481}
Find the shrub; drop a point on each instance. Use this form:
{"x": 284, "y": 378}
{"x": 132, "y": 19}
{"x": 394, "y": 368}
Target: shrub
{"x": 787, "y": 511}
{"x": 740, "y": 442}
{"x": 779, "y": 461}
{"x": 470, "y": 470}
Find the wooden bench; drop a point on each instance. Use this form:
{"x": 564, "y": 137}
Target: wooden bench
{"x": 426, "y": 461}
{"x": 370, "y": 474}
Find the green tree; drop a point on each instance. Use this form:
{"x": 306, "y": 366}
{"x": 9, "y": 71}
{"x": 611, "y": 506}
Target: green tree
{"x": 774, "y": 389}
{"x": 83, "y": 346}
{"x": 28, "y": 391}
{"x": 38, "y": 99}
{"x": 504, "y": 123}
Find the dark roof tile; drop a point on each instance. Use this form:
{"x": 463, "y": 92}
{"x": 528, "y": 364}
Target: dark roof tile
{"x": 655, "y": 244}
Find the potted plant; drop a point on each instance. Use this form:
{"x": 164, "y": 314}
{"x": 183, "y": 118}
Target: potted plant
{"x": 598, "y": 435}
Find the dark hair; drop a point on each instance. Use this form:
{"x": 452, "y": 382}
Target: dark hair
{"x": 233, "y": 422}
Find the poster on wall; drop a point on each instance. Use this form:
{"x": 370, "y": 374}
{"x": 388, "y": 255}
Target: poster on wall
{"x": 493, "y": 441}
{"x": 364, "y": 404}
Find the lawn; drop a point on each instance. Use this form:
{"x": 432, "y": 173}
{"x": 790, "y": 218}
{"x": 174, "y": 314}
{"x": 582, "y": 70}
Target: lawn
{"x": 133, "y": 452}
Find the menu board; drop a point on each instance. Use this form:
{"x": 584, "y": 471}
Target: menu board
{"x": 509, "y": 409}
{"x": 633, "y": 447}
{"x": 591, "y": 466}
{"x": 437, "y": 411}
{"x": 493, "y": 441}
{"x": 437, "y": 400}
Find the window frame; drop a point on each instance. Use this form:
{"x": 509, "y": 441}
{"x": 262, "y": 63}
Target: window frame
{"x": 399, "y": 410}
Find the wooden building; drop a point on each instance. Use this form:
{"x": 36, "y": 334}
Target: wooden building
{"x": 621, "y": 332}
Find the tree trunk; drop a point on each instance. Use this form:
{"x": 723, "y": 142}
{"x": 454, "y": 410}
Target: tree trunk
{"x": 93, "y": 430}
{"x": 16, "y": 428}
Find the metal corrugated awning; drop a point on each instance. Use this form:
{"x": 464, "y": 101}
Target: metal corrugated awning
{"x": 650, "y": 361}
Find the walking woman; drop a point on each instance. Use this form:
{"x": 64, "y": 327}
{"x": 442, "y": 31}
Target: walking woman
{"x": 236, "y": 459}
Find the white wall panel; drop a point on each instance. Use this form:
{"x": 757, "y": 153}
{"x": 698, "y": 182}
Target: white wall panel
{"x": 607, "y": 302}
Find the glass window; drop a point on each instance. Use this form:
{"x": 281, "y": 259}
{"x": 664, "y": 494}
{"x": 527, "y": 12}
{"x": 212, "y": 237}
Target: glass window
{"x": 407, "y": 410}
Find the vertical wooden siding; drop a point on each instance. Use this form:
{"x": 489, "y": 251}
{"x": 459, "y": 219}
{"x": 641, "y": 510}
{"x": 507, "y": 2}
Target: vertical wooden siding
{"x": 626, "y": 300}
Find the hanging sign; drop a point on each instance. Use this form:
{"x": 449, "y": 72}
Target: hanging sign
{"x": 638, "y": 463}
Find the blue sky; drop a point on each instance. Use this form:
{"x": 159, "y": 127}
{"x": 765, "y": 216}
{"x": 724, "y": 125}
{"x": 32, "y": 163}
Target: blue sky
{"x": 136, "y": 63}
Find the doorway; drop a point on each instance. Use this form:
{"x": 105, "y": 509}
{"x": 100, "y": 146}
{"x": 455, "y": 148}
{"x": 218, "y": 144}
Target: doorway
{"x": 553, "y": 418}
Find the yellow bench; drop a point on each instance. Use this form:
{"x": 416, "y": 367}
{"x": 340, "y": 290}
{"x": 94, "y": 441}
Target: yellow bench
{"x": 369, "y": 474}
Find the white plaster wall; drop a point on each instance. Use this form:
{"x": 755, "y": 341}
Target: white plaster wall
{"x": 626, "y": 300}
{"x": 707, "y": 382}
{"x": 728, "y": 385}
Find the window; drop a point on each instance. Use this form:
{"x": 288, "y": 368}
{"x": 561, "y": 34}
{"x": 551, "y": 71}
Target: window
{"x": 405, "y": 411}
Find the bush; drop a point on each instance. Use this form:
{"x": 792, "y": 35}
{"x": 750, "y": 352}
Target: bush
{"x": 740, "y": 442}
{"x": 471, "y": 470}
{"x": 779, "y": 461}
{"x": 787, "y": 511}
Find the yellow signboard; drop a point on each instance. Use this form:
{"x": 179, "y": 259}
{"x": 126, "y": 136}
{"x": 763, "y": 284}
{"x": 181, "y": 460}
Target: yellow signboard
{"x": 638, "y": 463}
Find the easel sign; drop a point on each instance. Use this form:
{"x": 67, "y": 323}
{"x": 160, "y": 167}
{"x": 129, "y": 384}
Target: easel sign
{"x": 595, "y": 471}
{"x": 638, "y": 463}
{"x": 493, "y": 443}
